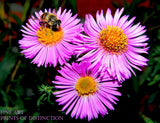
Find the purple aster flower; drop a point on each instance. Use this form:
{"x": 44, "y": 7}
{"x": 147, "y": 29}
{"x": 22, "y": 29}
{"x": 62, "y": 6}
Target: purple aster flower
{"x": 84, "y": 92}
{"x": 47, "y": 46}
{"x": 115, "y": 42}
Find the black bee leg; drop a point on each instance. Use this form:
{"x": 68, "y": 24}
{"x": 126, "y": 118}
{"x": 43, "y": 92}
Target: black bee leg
{"x": 45, "y": 28}
{"x": 51, "y": 30}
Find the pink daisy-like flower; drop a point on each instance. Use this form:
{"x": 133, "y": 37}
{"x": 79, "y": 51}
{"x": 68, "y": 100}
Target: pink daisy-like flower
{"x": 115, "y": 42}
{"x": 84, "y": 92}
{"x": 47, "y": 46}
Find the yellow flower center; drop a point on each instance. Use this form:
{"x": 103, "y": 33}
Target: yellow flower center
{"x": 86, "y": 85}
{"x": 113, "y": 40}
{"x": 48, "y": 37}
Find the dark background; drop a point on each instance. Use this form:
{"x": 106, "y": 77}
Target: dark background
{"x": 27, "y": 88}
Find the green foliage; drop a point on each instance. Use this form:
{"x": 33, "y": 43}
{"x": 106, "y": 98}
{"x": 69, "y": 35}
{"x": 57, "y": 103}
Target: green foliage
{"x": 7, "y": 65}
{"x": 46, "y": 92}
{"x": 56, "y": 3}
{"x": 17, "y": 19}
{"x": 147, "y": 119}
{"x": 26, "y": 7}
{"x": 73, "y": 4}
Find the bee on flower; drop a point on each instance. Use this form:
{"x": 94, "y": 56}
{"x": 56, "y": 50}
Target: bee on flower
{"x": 48, "y": 38}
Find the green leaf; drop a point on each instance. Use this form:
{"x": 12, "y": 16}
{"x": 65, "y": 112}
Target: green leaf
{"x": 17, "y": 19}
{"x": 155, "y": 80}
{"x": 49, "y": 95}
{"x": 5, "y": 99}
{"x": 144, "y": 76}
{"x": 152, "y": 97}
{"x": 155, "y": 51}
{"x": 147, "y": 119}
{"x": 26, "y": 7}
{"x": 73, "y": 4}
{"x": 156, "y": 69}
{"x": 56, "y": 3}
{"x": 40, "y": 99}
{"x": 7, "y": 65}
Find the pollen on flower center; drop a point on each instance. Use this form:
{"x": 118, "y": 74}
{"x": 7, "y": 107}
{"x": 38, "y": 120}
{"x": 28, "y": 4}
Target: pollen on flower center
{"x": 86, "y": 85}
{"x": 113, "y": 40}
{"x": 46, "y": 36}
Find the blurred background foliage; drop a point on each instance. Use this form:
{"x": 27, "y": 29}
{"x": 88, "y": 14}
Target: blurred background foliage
{"x": 24, "y": 86}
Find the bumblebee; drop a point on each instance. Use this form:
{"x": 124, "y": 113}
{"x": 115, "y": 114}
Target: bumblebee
{"x": 50, "y": 20}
